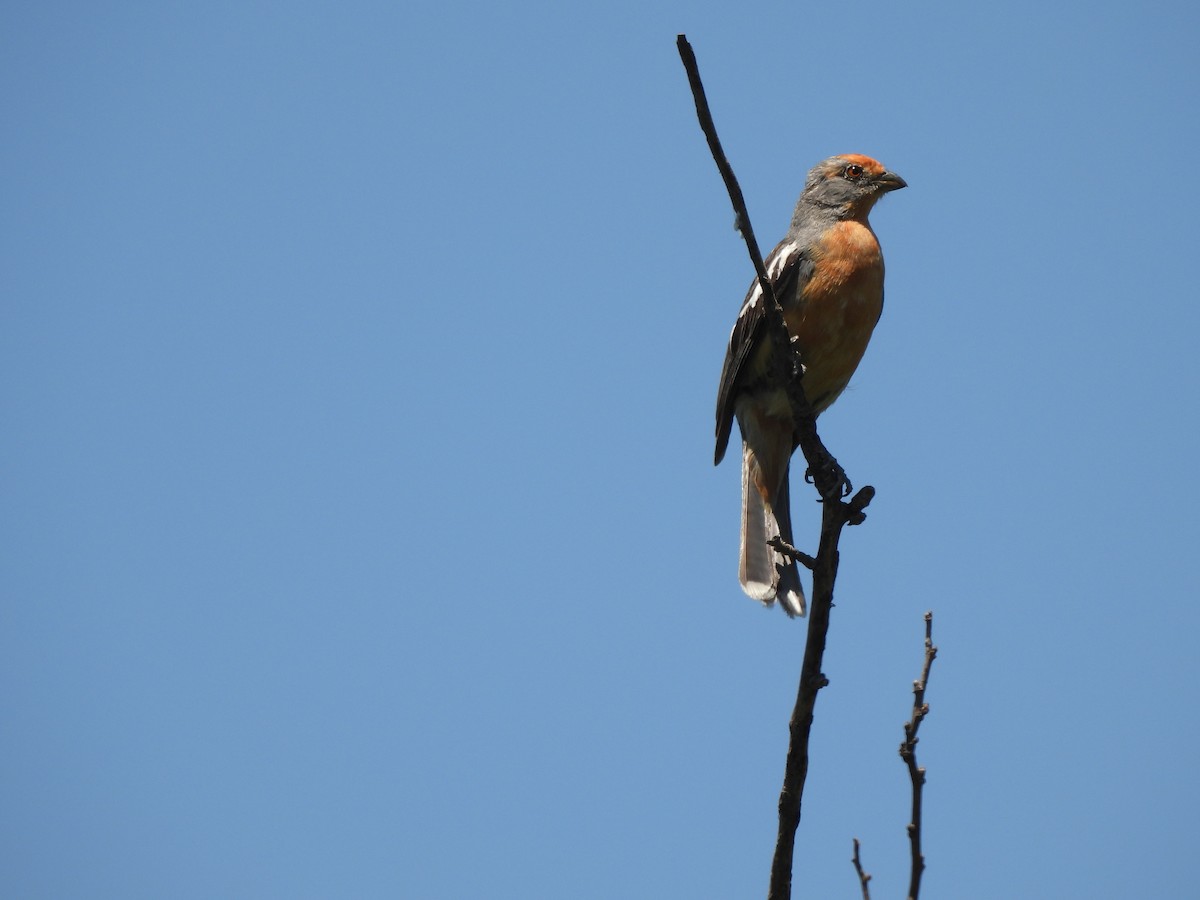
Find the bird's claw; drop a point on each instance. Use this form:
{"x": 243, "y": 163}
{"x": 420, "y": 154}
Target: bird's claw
{"x": 830, "y": 479}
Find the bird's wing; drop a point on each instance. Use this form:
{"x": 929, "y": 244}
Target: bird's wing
{"x": 789, "y": 267}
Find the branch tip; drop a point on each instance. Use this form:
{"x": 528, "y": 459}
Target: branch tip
{"x": 863, "y": 877}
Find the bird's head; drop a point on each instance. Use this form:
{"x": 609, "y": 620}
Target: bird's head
{"x": 849, "y": 185}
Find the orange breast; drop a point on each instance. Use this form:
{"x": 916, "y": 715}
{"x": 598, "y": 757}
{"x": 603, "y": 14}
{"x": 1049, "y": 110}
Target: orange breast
{"x": 837, "y": 310}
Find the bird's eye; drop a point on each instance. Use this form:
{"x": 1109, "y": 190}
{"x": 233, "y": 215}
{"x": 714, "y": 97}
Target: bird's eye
{"x": 854, "y": 172}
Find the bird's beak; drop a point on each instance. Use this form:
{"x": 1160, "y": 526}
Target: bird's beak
{"x": 890, "y": 181}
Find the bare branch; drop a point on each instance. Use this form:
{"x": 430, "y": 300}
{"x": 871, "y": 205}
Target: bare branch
{"x": 863, "y": 877}
{"x": 812, "y": 679}
{"x": 831, "y": 483}
{"x": 908, "y": 753}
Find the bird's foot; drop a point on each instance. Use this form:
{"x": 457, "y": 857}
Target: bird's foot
{"x": 830, "y": 478}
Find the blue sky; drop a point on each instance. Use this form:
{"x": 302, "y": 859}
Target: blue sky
{"x": 360, "y": 533}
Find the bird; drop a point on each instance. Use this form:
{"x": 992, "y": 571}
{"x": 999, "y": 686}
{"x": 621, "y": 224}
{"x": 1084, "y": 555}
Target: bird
{"x": 827, "y": 274}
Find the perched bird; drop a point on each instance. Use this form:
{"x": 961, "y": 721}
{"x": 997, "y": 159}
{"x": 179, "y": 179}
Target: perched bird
{"x": 827, "y": 274}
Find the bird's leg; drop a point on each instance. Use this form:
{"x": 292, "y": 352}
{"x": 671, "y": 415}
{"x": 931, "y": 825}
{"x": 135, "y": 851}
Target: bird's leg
{"x": 829, "y": 477}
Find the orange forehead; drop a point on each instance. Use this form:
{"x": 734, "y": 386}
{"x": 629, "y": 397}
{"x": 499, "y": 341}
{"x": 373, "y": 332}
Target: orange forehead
{"x": 871, "y": 167}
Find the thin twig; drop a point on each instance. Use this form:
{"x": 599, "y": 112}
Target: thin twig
{"x": 742, "y": 221}
{"x": 908, "y": 752}
{"x": 832, "y": 485}
{"x": 791, "y": 552}
{"x": 863, "y": 877}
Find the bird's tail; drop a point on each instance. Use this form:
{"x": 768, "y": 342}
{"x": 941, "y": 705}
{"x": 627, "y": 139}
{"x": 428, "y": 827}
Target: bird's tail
{"x": 765, "y": 573}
